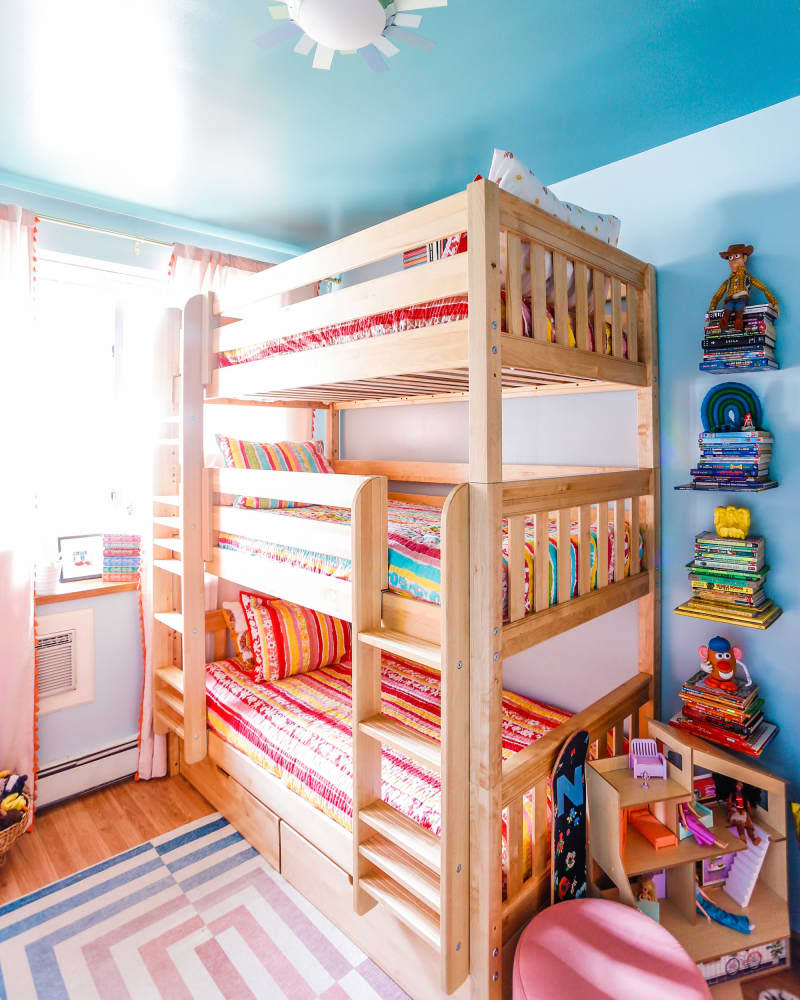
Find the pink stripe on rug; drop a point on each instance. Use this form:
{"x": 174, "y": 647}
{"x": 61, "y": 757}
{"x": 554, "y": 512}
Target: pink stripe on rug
{"x": 223, "y": 971}
{"x": 263, "y": 947}
{"x": 160, "y": 965}
{"x": 335, "y": 992}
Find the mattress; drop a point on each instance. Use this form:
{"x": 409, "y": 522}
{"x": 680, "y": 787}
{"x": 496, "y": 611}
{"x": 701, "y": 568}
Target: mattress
{"x": 414, "y": 533}
{"x": 299, "y": 729}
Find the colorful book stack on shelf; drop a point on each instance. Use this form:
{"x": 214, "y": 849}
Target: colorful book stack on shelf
{"x": 721, "y": 707}
{"x": 750, "y": 349}
{"x": 735, "y": 451}
{"x": 739, "y": 336}
{"x": 728, "y": 573}
{"x": 122, "y": 558}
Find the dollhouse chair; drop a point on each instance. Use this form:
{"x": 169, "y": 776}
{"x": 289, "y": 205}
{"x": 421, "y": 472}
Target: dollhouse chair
{"x": 644, "y": 756}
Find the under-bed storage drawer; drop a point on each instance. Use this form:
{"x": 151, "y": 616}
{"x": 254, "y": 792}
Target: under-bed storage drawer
{"x": 257, "y": 824}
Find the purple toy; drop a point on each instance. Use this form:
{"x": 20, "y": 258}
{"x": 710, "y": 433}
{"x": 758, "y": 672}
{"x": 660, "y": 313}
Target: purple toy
{"x": 644, "y": 756}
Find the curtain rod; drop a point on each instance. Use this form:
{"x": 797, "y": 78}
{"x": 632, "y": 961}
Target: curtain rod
{"x": 99, "y": 229}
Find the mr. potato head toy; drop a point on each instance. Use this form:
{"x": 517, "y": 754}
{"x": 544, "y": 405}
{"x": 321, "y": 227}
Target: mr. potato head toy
{"x": 719, "y": 660}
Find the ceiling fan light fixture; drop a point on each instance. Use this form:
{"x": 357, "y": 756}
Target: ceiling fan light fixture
{"x": 344, "y": 25}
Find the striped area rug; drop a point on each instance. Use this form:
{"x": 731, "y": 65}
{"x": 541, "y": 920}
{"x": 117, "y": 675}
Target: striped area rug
{"x": 197, "y": 913}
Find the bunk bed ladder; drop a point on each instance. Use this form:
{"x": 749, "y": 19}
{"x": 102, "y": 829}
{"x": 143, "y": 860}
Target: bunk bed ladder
{"x": 180, "y": 528}
{"x": 421, "y": 878}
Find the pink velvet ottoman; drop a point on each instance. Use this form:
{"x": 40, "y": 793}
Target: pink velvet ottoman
{"x": 592, "y": 948}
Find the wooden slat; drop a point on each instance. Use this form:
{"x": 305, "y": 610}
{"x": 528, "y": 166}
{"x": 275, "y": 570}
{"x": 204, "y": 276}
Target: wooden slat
{"x": 420, "y": 918}
{"x": 168, "y": 721}
{"x": 531, "y": 496}
{"x": 404, "y": 832}
{"x": 602, "y": 544}
{"x": 541, "y": 845}
{"x": 392, "y": 733}
{"x": 563, "y": 562}
{"x": 516, "y": 567}
{"x": 303, "y": 487}
{"x": 403, "y": 645}
{"x": 552, "y": 621}
{"x": 412, "y": 617}
{"x": 169, "y": 501}
{"x": 599, "y": 298}
{"x": 171, "y": 619}
{"x": 584, "y": 549}
{"x": 452, "y": 473}
{"x": 561, "y": 299}
{"x": 406, "y": 871}
{"x": 558, "y": 359}
{"x": 272, "y": 526}
{"x": 173, "y": 544}
{"x": 619, "y": 738}
{"x": 171, "y": 699}
{"x": 174, "y": 566}
{"x": 581, "y": 306}
{"x": 541, "y": 562}
{"x": 172, "y": 676}
{"x": 539, "y": 293}
{"x": 634, "y": 533}
{"x": 616, "y": 318}
{"x": 632, "y": 317}
{"x": 516, "y": 853}
{"x": 619, "y": 540}
{"x": 168, "y": 522}
{"x": 513, "y": 285}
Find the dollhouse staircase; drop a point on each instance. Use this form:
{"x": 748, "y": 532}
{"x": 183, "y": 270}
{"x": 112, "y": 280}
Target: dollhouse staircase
{"x": 744, "y": 871}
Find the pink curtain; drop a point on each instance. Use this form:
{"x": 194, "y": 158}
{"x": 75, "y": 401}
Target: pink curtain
{"x": 17, "y": 661}
{"x": 191, "y": 271}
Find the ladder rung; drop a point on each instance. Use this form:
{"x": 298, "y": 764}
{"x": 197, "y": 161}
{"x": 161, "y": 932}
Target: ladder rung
{"x": 172, "y": 722}
{"x": 406, "y": 871}
{"x": 173, "y": 676}
{"x": 172, "y": 619}
{"x": 397, "y": 735}
{"x": 169, "y": 501}
{"x": 171, "y": 699}
{"x": 168, "y": 522}
{"x": 410, "y": 911}
{"x": 404, "y": 832}
{"x": 172, "y": 442}
{"x": 173, "y": 544}
{"x": 169, "y": 565}
{"x": 418, "y": 650}
{"x": 171, "y": 420}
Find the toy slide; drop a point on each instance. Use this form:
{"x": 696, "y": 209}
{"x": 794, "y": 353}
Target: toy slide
{"x": 746, "y": 866}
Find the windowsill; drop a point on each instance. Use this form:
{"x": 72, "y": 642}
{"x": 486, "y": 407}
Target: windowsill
{"x": 83, "y": 588}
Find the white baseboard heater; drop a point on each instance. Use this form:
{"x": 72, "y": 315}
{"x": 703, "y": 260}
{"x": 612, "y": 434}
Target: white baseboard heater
{"x": 65, "y": 778}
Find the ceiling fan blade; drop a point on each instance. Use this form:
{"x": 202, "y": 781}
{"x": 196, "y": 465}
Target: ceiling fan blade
{"x": 408, "y": 20}
{"x": 277, "y": 35}
{"x": 373, "y": 58}
{"x": 409, "y": 38}
{"x": 385, "y": 47}
{"x": 323, "y": 57}
{"x": 305, "y": 45}
{"x": 280, "y": 12}
{"x": 418, "y": 4}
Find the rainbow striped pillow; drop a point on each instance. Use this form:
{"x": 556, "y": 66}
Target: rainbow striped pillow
{"x": 282, "y": 456}
{"x": 289, "y": 639}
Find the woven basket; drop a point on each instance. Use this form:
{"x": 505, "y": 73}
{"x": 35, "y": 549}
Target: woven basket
{"x": 10, "y": 834}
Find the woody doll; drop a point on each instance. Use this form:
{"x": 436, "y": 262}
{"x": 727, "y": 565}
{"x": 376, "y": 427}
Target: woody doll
{"x": 735, "y": 290}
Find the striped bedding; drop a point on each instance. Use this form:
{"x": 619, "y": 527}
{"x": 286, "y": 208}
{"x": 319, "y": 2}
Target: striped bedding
{"x": 299, "y": 729}
{"x": 415, "y": 552}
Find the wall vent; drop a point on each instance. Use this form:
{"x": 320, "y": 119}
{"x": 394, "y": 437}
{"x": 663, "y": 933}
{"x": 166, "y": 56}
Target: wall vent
{"x": 56, "y": 653}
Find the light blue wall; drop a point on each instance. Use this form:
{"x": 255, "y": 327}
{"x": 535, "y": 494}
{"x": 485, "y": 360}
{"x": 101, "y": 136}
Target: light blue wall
{"x": 113, "y": 715}
{"x": 680, "y": 204}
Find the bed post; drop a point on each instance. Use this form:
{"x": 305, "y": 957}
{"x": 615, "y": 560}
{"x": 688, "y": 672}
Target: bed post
{"x": 332, "y": 434}
{"x": 650, "y": 506}
{"x": 485, "y": 503}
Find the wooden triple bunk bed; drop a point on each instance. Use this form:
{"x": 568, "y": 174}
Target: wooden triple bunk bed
{"x": 439, "y": 914}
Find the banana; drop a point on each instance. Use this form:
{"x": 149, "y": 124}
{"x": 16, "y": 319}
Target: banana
{"x": 14, "y": 801}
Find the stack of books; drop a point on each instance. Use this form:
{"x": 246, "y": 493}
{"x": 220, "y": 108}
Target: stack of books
{"x": 734, "y": 719}
{"x": 752, "y": 348}
{"x": 122, "y": 558}
{"x": 734, "y": 460}
{"x": 727, "y": 576}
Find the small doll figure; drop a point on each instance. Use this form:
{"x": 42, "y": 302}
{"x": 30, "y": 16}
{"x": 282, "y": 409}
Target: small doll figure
{"x": 740, "y": 814}
{"x": 647, "y": 890}
{"x": 735, "y": 290}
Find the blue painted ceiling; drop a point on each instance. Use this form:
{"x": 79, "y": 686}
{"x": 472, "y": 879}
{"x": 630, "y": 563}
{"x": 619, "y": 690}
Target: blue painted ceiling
{"x": 169, "y": 104}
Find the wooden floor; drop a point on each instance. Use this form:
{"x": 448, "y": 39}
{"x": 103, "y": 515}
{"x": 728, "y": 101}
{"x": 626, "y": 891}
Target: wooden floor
{"x": 67, "y": 838}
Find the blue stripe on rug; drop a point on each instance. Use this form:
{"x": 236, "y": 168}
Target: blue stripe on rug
{"x": 41, "y": 955}
{"x": 65, "y": 883}
{"x": 204, "y": 852}
{"x": 190, "y": 835}
{"x": 219, "y": 869}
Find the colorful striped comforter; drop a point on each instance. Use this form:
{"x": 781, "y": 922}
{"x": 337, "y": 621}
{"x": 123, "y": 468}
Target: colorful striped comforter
{"x": 299, "y": 729}
{"x": 415, "y": 552}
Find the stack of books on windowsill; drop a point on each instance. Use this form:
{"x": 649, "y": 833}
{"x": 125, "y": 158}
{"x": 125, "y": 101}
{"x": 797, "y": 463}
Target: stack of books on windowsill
{"x": 751, "y": 348}
{"x": 727, "y": 577}
{"x": 122, "y": 558}
{"x": 733, "y": 460}
{"x": 734, "y": 719}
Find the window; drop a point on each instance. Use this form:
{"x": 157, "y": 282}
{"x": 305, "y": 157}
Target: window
{"x": 95, "y": 321}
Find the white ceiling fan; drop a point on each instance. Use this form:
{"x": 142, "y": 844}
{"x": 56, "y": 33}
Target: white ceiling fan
{"x": 369, "y": 27}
